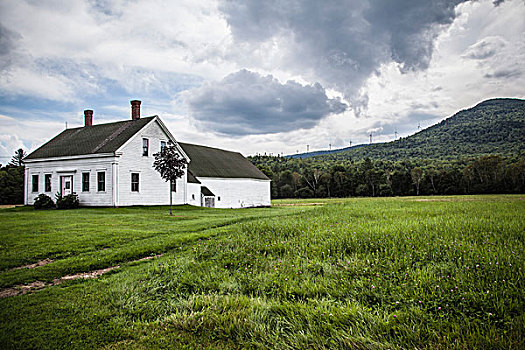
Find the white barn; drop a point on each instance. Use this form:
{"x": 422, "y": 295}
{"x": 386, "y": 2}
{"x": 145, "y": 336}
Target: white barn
{"x": 112, "y": 165}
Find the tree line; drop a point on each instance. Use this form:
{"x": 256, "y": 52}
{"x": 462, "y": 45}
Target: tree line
{"x": 317, "y": 177}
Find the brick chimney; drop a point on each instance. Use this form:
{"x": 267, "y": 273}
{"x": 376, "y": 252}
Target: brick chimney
{"x": 135, "y": 109}
{"x": 88, "y": 117}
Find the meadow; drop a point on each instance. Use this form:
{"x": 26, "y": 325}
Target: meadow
{"x": 360, "y": 273}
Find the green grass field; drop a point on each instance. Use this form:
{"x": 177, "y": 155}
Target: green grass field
{"x": 386, "y": 273}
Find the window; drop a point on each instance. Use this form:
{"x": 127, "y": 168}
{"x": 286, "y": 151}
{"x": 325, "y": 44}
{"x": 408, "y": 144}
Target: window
{"x": 145, "y": 144}
{"x": 101, "y": 181}
{"x": 193, "y": 196}
{"x": 47, "y": 182}
{"x": 162, "y": 145}
{"x": 134, "y": 182}
{"x": 218, "y": 199}
{"x": 85, "y": 182}
{"x": 174, "y": 186}
{"x": 35, "y": 183}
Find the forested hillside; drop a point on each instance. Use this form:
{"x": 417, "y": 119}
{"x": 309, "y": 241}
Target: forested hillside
{"x": 478, "y": 150}
{"x": 494, "y": 126}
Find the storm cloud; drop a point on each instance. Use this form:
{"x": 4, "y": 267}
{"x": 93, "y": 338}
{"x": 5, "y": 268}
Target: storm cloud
{"x": 340, "y": 43}
{"x": 248, "y": 103}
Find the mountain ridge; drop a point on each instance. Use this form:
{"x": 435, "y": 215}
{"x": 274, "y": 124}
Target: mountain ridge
{"x": 494, "y": 126}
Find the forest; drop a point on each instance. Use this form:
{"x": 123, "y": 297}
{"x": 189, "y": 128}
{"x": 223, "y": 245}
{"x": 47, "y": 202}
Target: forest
{"x": 319, "y": 177}
{"x": 476, "y": 151}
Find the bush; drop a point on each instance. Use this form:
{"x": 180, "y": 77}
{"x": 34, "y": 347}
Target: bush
{"x": 385, "y": 190}
{"x": 67, "y": 202}
{"x": 304, "y": 192}
{"x": 362, "y": 190}
{"x": 287, "y": 191}
{"x": 43, "y": 201}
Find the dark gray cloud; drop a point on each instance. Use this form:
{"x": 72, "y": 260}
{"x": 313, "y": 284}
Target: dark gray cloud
{"x": 341, "y": 43}
{"x": 248, "y": 103}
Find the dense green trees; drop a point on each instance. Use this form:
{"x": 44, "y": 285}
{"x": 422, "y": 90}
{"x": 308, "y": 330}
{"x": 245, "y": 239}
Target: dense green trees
{"x": 478, "y": 150}
{"x": 319, "y": 177}
{"x": 12, "y": 180}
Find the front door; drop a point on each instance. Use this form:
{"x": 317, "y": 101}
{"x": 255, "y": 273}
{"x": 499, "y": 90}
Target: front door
{"x": 66, "y": 185}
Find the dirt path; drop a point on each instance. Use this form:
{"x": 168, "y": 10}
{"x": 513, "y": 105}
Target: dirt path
{"x": 37, "y": 285}
{"x": 9, "y": 206}
{"x": 32, "y": 266}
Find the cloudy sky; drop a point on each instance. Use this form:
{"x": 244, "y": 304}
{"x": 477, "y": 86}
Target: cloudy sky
{"x": 255, "y": 76}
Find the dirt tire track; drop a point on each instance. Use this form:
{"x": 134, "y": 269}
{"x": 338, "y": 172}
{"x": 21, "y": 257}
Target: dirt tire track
{"x": 22, "y": 289}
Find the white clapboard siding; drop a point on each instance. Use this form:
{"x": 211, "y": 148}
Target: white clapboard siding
{"x": 238, "y": 193}
{"x": 72, "y": 166}
{"x": 194, "y": 194}
{"x": 153, "y": 190}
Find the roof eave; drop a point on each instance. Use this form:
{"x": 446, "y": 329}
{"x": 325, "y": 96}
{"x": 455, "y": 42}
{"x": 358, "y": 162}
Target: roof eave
{"x": 231, "y": 178}
{"x": 80, "y": 156}
{"x": 165, "y": 129}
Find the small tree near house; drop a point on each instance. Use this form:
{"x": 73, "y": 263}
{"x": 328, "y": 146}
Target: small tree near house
{"x": 170, "y": 164}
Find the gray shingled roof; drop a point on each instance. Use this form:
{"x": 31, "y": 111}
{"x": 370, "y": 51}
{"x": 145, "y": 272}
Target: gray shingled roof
{"x": 100, "y": 138}
{"x": 213, "y": 162}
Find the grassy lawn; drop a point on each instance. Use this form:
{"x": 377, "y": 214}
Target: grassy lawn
{"x": 429, "y": 272}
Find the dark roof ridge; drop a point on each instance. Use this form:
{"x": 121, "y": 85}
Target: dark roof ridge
{"x": 127, "y": 122}
{"x": 212, "y": 148}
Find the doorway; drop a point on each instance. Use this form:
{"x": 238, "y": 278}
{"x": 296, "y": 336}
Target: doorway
{"x": 66, "y": 185}
{"x": 209, "y": 202}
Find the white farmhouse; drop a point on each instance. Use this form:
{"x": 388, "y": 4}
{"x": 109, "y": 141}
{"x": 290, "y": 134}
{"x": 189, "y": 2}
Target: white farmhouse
{"x": 112, "y": 165}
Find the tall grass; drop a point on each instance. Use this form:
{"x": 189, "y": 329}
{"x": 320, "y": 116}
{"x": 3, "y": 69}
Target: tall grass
{"x": 367, "y": 274}
{"x": 364, "y": 273}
